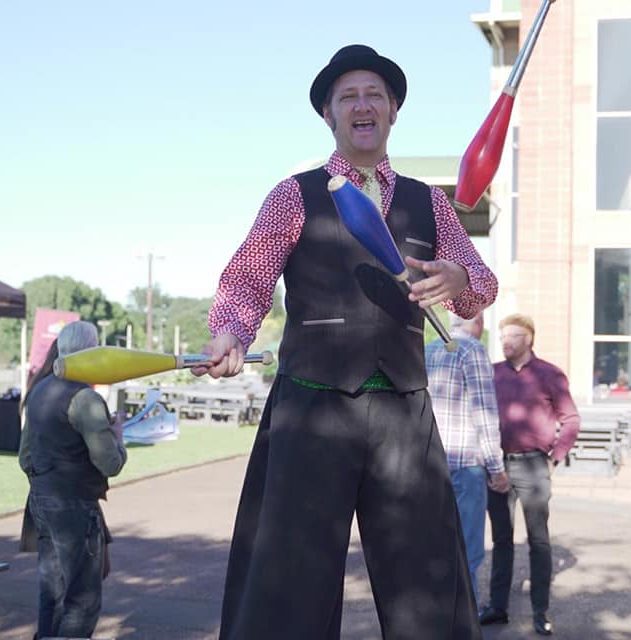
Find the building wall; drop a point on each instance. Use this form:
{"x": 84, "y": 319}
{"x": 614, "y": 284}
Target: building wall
{"x": 545, "y": 227}
{"x": 558, "y": 227}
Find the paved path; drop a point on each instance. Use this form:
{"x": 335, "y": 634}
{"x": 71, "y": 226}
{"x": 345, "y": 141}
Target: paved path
{"x": 172, "y": 536}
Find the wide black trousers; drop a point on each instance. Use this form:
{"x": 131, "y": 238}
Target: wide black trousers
{"x": 319, "y": 457}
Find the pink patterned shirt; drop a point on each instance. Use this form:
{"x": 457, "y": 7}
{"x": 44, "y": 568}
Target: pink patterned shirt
{"x": 246, "y": 287}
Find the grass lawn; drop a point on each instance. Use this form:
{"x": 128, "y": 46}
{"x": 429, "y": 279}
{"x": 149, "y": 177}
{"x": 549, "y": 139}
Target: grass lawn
{"x": 195, "y": 445}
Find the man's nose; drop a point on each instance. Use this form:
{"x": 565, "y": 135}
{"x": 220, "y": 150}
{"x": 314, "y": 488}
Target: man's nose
{"x": 362, "y": 103}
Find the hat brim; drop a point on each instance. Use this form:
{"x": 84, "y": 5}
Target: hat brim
{"x": 383, "y": 67}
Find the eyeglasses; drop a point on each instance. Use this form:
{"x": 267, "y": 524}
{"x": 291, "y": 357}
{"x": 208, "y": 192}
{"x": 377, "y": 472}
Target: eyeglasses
{"x": 512, "y": 336}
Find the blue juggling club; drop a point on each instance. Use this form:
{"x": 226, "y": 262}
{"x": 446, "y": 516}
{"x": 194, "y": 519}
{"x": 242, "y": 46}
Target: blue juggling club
{"x": 364, "y": 222}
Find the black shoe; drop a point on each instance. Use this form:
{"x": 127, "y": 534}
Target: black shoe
{"x": 542, "y": 624}
{"x": 491, "y": 615}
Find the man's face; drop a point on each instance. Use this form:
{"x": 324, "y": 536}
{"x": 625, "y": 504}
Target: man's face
{"x": 516, "y": 341}
{"x": 360, "y": 114}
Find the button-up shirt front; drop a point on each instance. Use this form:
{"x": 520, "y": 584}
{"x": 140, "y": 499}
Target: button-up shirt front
{"x": 534, "y": 402}
{"x": 463, "y": 398}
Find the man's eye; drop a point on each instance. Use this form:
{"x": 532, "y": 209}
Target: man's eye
{"x": 346, "y": 98}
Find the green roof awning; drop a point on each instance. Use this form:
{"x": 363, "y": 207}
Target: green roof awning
{"x": 428, "y": 167}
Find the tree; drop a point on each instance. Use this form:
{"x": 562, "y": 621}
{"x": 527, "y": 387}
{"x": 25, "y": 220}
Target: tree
{"x": 54, "y": 292}
{"x": 9, "y": 341}
{"x": 190, "y": 314}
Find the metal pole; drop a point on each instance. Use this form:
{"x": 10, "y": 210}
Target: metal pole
{"x": 176, "y": 340}
{"x": 150, "y": 304}
{"x": 23, "y": 366}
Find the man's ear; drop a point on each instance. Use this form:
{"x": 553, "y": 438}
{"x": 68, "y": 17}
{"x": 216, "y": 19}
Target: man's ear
{"x": 328, "y": 117}
{"x": 393, "y": 111}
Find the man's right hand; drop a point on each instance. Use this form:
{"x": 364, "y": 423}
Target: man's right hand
{"x": 225, "y": 354}
{"x": 499, "y": 482}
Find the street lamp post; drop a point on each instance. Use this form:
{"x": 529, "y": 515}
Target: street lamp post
{"x": 103, "y": 324}
{"x": 150, "y": 258}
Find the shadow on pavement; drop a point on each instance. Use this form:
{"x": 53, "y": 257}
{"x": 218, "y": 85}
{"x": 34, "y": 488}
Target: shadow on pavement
{"x": 160, "y": 588}
{"x": 590, "y": 598}
{"x": 171, "y": 549}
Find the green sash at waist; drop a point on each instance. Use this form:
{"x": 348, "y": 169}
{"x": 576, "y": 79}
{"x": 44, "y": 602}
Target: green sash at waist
{"x": 378, "y": 381}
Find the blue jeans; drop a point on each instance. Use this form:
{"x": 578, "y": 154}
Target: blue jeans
{"x": 71, "y": 545}
{"x": 470, "y": 488}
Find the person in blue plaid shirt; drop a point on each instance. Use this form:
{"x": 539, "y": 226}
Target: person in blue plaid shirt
{"x": 463, "y": 395}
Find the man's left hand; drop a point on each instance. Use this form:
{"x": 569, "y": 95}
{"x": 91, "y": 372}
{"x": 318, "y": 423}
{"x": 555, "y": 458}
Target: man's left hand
{"x": 552, "y": 465}
{"x": 444, "y": 281}
{"x": 117, "y": 426}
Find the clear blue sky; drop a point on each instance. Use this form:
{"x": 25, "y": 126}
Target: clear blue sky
{"x": 131, "y": 126}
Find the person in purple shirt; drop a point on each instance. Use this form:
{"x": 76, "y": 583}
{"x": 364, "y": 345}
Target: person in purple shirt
{"x": 538, "y": 425}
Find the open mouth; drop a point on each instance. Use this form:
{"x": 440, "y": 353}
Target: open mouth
{"x": 364, "y": 125}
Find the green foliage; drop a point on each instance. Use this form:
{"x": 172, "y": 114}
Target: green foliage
{"x": 271, "y": 331}
{"x": 196, "y": 445}
{"x": 430, "y": 332}
{"x": 9, "y": 341}
{"x": 441, "y": 312}
{"x": 53, "y": 292}
{"x": 190, "y": 314}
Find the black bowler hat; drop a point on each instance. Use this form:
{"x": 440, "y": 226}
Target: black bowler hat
{"x": 352, "y": 58}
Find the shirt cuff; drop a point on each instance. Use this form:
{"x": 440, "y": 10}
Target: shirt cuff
{"x": 494, "y": 466}
{"x": 478, "y": 294}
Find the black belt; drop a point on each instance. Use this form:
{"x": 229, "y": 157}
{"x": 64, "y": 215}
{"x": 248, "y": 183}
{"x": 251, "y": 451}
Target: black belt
{"x": 525, "y": 454}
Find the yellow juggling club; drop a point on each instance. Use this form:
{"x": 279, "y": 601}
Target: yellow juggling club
{"x": 106, "y": 365}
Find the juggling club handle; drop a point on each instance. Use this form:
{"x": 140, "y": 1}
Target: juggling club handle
{"x": 196, "y": 359}
{"x": 366, "y": 224}
{"x": 450, "y": 344}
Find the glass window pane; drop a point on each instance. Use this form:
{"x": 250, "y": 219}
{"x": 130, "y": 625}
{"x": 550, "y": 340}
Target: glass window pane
{"x": 614, "y": 53}
{"x": 612, "y": 293}
{"x": 612, "y": 370}
{"x": 613, "y": 168}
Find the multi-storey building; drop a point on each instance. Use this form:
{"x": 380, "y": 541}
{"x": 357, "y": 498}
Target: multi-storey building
{"x": 561, "y": 200}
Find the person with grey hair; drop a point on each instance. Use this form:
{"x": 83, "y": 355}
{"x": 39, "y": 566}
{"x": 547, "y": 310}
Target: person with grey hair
{"x": 77, "y": 336}
{"x": 70, "y": 445}
{"x": 461, "y": 387}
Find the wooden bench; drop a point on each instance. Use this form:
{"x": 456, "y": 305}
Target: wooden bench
{"x": 208, "y": 404}
{"x": 597, "y": 450}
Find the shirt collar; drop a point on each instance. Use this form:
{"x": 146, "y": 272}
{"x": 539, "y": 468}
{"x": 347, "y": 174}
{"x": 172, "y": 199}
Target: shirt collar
{"x": 338, "y": 165}
{"x": 510, "y": 365}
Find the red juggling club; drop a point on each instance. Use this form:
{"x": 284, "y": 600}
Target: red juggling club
{"x": 482, "y": 157}
{"x": 363, "y": 220}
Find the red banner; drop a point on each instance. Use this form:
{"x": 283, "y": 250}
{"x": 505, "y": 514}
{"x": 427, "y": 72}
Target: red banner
{"x": 48, "y": 324}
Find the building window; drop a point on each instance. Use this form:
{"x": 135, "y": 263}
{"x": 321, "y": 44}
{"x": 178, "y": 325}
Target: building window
{"x": 613, "y": 154}
{"x": 612, "y": 324}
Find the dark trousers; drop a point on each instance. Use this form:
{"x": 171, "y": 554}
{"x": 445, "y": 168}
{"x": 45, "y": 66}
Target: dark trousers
{"x": 71, "y": 545}
{"x": 319, "y": 457}
{"x": 530, "y": 483}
